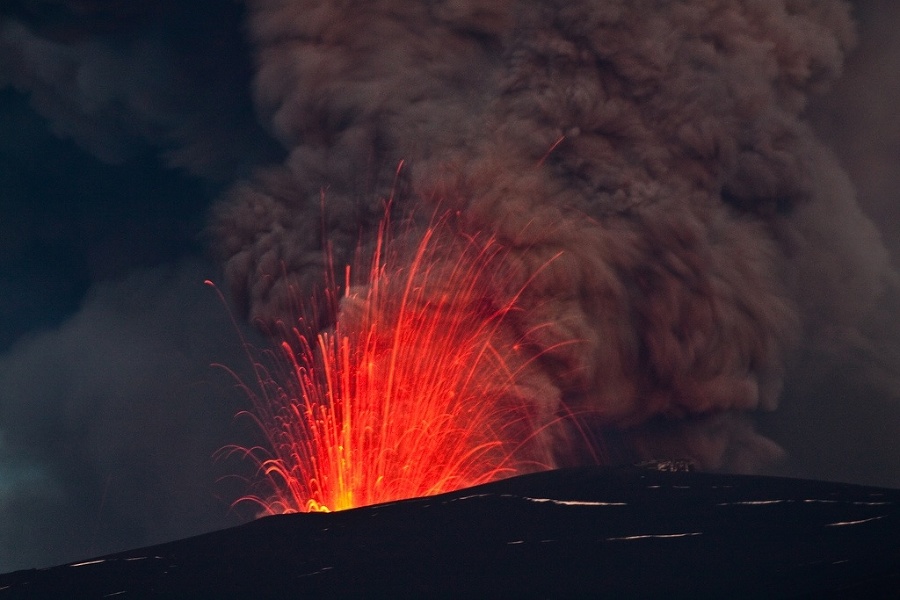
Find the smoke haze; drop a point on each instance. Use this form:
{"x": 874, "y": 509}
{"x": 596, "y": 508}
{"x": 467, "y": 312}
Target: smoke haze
{"x": 729, "y": 293}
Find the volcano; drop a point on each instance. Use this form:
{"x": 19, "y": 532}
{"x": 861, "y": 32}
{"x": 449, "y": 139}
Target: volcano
{"x": 624, "y": 532}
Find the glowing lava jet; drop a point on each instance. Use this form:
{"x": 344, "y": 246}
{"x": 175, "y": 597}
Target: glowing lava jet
{"x": 411, "y": 393}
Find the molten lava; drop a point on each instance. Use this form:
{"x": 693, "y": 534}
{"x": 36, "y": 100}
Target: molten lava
{"x": 411, "y": 393}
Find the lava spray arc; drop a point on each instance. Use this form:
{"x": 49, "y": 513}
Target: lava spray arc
{"x": 411, "y": 393}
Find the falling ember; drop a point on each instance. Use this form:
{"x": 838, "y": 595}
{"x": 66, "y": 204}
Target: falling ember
{"x": 411, "y": 393}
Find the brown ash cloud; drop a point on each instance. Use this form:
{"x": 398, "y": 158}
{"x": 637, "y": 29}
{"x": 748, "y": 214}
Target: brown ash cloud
{"x": 704, "y": 233}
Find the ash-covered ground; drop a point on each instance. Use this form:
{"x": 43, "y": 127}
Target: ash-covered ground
{"x": 630, "y": 532}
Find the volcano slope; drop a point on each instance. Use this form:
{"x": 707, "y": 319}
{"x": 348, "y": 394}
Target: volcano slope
{"x": 589, "y": 532}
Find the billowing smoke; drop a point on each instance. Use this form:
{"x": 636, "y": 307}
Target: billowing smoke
{"x": 704, "y": 233}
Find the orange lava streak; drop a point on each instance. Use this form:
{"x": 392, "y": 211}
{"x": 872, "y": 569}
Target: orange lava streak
{"x": 410, "y": 394}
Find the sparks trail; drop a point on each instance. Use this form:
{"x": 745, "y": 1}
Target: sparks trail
{"x": 411, "y": 393}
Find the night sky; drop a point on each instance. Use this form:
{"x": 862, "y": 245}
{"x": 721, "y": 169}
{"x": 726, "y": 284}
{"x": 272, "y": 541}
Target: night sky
{"x": 120, "y": 129}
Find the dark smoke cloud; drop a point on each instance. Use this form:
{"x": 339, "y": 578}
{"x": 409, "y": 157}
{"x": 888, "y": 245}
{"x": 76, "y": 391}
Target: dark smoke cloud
{"x": 841, "y": 409}
{"x": 110, "y": 421}
{"x": 856, "y": 118}
{"x": 109, "y": 409}
{"x": 706, "y": 233}
{"x": 121, "y": 77}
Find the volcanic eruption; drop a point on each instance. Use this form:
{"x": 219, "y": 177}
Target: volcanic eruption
{"x": 666, "y": 219}
{"x": 414, "y": 391}
{"x": 665, "y": 250}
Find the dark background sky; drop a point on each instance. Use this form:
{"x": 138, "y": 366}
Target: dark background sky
{"x": 119, "y": 127}
{"x": 111, "y": 411}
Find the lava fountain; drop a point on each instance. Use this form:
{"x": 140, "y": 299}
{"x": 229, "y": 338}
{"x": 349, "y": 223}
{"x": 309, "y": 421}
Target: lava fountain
{"x": 411, "y": 392}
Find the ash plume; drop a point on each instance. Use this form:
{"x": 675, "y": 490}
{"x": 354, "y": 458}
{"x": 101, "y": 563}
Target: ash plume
{"x": 703, "y": 232}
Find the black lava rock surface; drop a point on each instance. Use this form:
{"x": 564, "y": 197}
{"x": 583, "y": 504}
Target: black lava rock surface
{"x": 626, "y": 532}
